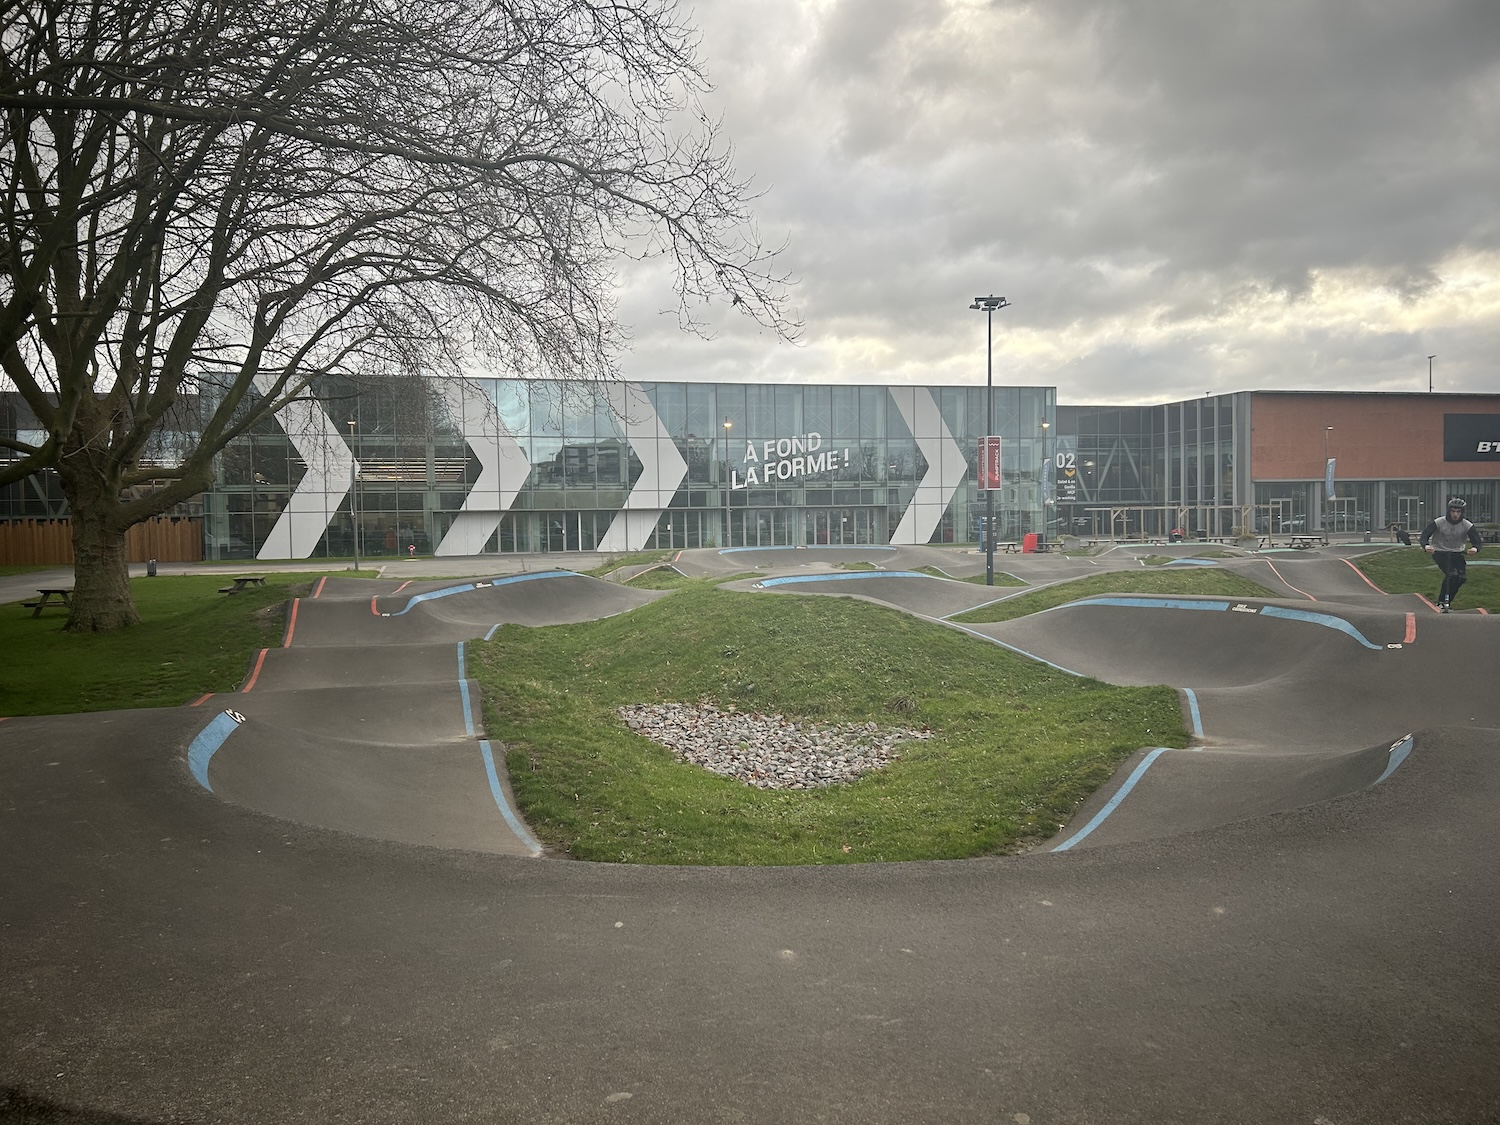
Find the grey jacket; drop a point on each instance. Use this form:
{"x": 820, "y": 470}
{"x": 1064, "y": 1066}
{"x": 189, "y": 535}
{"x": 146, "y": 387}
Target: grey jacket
{"x": 1446, "y": 536}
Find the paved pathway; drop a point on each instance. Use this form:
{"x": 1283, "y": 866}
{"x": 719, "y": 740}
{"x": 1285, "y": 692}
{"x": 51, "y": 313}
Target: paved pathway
{"x": 1296, "y": 922}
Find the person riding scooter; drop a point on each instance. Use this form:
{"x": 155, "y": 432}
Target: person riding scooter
{"x": 1448, "y": 540}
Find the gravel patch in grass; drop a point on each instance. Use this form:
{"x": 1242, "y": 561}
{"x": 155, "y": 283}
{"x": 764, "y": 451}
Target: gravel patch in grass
{"x": 768, "y": 751}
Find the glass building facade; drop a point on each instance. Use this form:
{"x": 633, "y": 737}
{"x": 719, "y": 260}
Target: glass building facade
{"x": 496, "y": 465}
{"x": 508, "y": 466}
{"x": 1143, "y": 470}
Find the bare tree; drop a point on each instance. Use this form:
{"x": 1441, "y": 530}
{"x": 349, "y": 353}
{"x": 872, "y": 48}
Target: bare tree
{"x": 226, "y": 199}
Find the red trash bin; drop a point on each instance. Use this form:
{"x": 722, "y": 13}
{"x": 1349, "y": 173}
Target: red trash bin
{"x": 1028, "y": 543}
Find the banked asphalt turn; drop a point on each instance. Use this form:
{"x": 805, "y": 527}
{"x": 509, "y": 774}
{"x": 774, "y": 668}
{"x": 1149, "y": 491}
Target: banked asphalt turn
{"x": 313, "y": 899}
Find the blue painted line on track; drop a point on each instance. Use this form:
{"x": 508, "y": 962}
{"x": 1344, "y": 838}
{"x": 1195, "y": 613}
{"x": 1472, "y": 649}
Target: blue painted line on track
{"x": 1399, "y": 753}
{"x": 1325, "y": 619}
{"x": 207, "y": 744}
{"x": 1114, "y": 802}
{"x": 1191, "y": 562}
{"x": 449, "y": 591}
{"x": 1192, "y": 698}
{"x": 497, "y": 791}
{"x": 463, "y": 691}
{"x": 846, "y": 577}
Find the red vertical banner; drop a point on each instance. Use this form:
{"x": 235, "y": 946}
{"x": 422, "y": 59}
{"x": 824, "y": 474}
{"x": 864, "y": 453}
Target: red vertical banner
{"x": 989, "y": 463}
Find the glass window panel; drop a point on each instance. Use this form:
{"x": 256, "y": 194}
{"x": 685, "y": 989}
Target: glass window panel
{"x": 760, "y": 403}
{"x": 546, "y": 409}
{"x": 817, "y": 410}
{"x": 788, "y": 410}
{"x": 670, "y": 400}
{"x": 702, "y": 420}
{"x": 872, "y": 404}
{"x": 845, "y": 414}
{"x": 513, "y": 403}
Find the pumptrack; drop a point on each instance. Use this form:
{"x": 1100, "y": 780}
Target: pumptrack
{"x": 313, "y": 899}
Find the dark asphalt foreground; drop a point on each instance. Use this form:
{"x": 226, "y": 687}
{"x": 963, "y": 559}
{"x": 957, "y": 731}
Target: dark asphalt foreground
{"x": 169, "y": 955}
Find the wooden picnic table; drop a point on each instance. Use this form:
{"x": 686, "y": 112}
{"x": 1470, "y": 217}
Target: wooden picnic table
{"x": 63, "y": 594}
{"x": 241, "y": 581}
{"x": 1311, "y": 539}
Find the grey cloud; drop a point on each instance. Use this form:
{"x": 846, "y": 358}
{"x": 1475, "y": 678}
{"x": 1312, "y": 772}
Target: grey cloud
{"x": 1164, "y": 188}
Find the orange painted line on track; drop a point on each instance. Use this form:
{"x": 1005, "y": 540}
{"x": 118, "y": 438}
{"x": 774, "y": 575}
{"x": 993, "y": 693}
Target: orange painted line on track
{"x": 206, "y": 696}
{"x": 291, "y": 624}
{"x": 1289, "y": 586}
{"x": 373, "y": 610}
{"x": 1411, "y": 628}
{"x": 1428, "y": 604}
{"x": 1363, "y": 575}
{"x": 401, "y": 587}
{"x": 255, "y": 674}
{"x": 1484, "y": 611}
{"x": 318, "y": 589}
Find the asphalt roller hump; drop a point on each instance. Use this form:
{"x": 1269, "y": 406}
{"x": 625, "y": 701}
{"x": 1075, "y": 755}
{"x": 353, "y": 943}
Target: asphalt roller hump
{"x": 365, "y": 720}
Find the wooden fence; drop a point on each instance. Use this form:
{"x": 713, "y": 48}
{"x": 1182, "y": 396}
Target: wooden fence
{"x": 50, "y": 542}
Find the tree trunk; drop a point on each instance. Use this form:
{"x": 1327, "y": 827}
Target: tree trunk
{"x": 101, "y": 574}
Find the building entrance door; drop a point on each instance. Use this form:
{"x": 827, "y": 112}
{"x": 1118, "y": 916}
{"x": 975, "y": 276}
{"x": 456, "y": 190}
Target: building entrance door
{"x": 1280, "y": 516}
{"x": 838, "y": 527}
{"x": 1409, "y": 513}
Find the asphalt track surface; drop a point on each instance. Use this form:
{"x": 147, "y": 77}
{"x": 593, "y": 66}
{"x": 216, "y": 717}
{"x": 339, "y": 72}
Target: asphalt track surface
{"x": 1296, "y": 920}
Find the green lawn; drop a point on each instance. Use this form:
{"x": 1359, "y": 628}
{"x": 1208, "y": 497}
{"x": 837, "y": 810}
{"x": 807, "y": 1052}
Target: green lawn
{"x": 1017, "y": 745}
{"x": 1176, "y": 580}
{"x": 192, "y": 639}
{"x": 1410, "y": 570}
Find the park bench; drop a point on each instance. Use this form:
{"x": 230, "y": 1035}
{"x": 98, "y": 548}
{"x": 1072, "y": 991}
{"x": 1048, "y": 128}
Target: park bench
{"x": 241, "y": 581}
{"x": 63, "y": 594}
{"x": 1302, "y": 542}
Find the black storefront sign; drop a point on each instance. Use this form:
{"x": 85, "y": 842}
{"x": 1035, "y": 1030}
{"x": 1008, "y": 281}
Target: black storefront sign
{"x": 1471, "y": 437}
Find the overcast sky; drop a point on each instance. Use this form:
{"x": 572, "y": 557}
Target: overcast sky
{"x": 1177, "y": 197}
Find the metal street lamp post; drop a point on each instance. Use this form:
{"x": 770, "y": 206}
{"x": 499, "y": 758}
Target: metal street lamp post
{"x": 728, "y": 425}
{"x": 1327, "y": 500}
{"x": 353, "y": 494}
{"x": 1429, "y": 372}
{"x": 988, "y": 305}
{"x": 1042, "y": 480}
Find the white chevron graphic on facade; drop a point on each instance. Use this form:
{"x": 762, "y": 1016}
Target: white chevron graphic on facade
{"x": 330, "y": 466}
{"x": 503, "y": 473}
{"x": 662, "y": 469}
{"x": 946, "y": 465}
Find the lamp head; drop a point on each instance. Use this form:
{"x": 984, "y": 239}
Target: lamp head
{"x": 989, "y": 304}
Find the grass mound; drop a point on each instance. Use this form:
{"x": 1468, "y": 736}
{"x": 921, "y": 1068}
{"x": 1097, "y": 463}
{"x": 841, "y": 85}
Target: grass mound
{"x": 1015, "y": 745}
